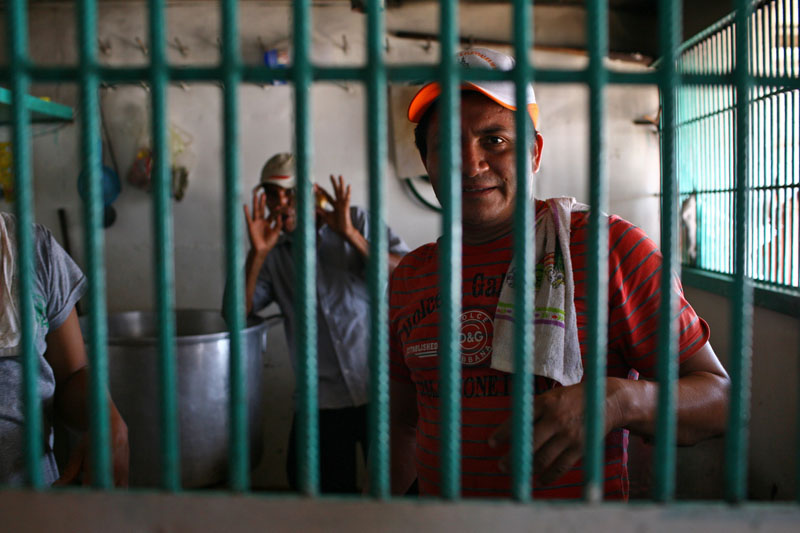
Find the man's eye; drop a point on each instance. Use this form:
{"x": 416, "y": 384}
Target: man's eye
{"x": 494, "y": 140}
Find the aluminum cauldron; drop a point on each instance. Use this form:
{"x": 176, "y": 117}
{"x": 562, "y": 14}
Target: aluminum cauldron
{"x": 202, "y": 350}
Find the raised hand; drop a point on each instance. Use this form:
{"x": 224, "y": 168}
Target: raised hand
{"x": 339, "y": 218}
{"x": 263, "y": 231}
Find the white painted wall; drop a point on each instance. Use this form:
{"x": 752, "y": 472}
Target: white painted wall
{"x": 339, "y": 136}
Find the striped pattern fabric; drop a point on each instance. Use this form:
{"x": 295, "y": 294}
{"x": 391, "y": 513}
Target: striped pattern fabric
{"x": 633, "y": 296}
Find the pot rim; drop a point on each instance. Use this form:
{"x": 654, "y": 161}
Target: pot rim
{"x": 254, "y": 325}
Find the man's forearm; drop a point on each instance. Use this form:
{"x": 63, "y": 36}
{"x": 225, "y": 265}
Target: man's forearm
{"x": 701, "y": 405}
{"x": 360, "y": 243}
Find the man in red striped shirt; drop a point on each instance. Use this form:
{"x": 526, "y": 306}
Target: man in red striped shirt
{"x": 489, "y": 187}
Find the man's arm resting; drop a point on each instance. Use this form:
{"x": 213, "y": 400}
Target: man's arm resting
{"x": 403, "y": 416}
{"x": 702, "y": 400}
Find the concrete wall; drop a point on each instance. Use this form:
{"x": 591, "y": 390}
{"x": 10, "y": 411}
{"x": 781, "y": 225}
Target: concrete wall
{"x": 266, "y": 124}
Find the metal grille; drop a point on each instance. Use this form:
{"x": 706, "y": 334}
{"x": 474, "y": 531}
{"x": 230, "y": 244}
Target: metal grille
{"x": 738, "y": 79}
{"x": 707, "y": 129}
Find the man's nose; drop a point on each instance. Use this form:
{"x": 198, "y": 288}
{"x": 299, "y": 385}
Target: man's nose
{"x": 473, "y": 160}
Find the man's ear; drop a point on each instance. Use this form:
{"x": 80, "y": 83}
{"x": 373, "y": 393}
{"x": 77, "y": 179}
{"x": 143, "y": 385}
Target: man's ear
{"x": 537, "y": 152}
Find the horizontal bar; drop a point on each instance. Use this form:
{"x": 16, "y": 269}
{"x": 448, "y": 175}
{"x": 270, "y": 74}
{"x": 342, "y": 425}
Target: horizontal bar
{"x": 404, "y": 73}
{"x": 765, "y": 96}
{"x": 758, "y": 188}
{"x": 772, "y": 298}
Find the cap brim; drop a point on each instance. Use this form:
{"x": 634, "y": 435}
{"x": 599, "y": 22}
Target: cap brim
{"x": 431, "y": 92}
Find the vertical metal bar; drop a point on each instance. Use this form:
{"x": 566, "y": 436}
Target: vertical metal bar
{"x": 450, "y": 253}
{"x": 772, "y": 156}
{"x": 597, "y": 33}
{"x": 522, "y": 386}
{"x": 305, "y": 259}
{"x": 730, "y": 142}
{"x": 669, "y": 32}
{"x": 17, "y": 31}
{"x": 377, "y": 269}
{"x": 784, "y": 121}
{"x": 162, "y": 236}
{"x": 93, "y": 209}
{"x": 741, "y": 305}
{"x": 238, "y": 452}
{"x": 764, "y": 163}
{"x": 717, "y": 133}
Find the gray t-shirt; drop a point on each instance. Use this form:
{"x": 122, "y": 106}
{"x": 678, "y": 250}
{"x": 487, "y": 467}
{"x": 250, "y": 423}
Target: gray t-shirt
{"x": 57, "y": 286}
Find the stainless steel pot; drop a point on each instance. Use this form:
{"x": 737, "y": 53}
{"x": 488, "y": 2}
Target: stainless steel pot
{"x": 202, "y": 366}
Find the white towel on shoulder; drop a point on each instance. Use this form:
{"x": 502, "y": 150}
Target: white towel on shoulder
{"x": 556, "y": 347}
{"x": 9, "y": 316}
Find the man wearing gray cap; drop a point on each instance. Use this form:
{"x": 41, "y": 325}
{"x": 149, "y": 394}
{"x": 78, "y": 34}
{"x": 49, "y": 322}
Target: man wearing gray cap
{"x": 488, "y": 191}
{"x": 342, "y": 305}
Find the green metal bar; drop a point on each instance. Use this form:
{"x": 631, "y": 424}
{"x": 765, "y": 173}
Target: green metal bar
{"x": 450, "y": 253}
{"x": 762, "y": 143}
{"x": 522, "y": 380}
{"x": 395, "y": 73}
{"x": 784, "y": 121}
{"x": 163, "y": 258}
{"x": 17, "y": 31}
{"x": 731, "y": 167}
{"x": 239, "y": 457}
{"x": 765, "y": 295}
{"x": 597, "y": 295}
{"x": 377, "y": 269}
{"x": 770, "y": 146}
{"x": 305, "y": 259}
{"x": 741, "y": 305}
{"x": 93, "y": 216}
{"x": 716, "y": 130}
{"x": 669, "y": 32}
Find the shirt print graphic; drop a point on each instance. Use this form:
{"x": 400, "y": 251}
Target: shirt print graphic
{"x": 475, "y": 340}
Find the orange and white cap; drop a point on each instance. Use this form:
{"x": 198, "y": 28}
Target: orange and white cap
{"x": 502, "y": 92}
{"x": 279, "y": 170}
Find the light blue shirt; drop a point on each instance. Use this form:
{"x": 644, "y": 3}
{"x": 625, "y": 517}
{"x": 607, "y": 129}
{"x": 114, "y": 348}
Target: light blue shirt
{"x": 342, "y": 308}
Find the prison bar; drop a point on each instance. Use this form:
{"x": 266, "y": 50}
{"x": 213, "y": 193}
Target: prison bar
{"x": 237, "y": 418}
{"x": 377, "y": 124}
{"x": 741, "y": 305}
{"x": 99, "y": 426}
{"x": 597, "y": 293}
{"x": 163, "y": 261}
{"x": 450, "y": 253}
{"x": 305, "y": 258}
{"x": 88, "y": 73}
{"x": 17, "y": 31}
{"x": 524, "y": 254}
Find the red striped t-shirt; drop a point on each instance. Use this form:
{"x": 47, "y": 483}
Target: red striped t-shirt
{"x": 633, "y": 300}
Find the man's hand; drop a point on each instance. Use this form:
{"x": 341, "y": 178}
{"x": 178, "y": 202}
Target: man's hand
{"x": 263, "y": 231}
{"x": 338, "y": 219}
{"x": 558, "y": 432}
{"x": 79, "y": 461}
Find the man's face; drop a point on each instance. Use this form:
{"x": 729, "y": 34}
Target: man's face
{"x": 488, "y": 166}
{"x": 282, "y": 202}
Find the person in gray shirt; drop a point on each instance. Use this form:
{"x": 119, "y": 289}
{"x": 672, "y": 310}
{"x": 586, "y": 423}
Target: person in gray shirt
{"x": 63, "y": 377}
{"x": 342, "y": 306}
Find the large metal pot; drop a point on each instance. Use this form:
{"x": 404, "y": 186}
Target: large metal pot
{"x": 203, "y": 346}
